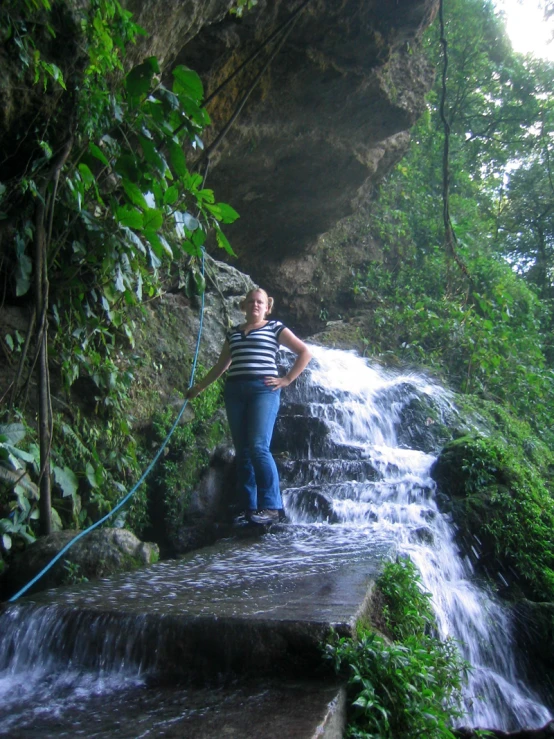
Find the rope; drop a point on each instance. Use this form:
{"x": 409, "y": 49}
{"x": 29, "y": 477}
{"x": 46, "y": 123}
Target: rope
{"x": 258, "y": 51}
{"x": 141, "y": 479}
{"x": 285, "y": 29}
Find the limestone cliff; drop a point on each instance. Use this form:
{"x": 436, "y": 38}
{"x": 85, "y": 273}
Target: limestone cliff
{"x": 327, "y": 108}
{"x": 321, "y": 95}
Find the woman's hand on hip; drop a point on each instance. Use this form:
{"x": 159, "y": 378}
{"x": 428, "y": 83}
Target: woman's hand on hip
{"x": 277, "y": 383}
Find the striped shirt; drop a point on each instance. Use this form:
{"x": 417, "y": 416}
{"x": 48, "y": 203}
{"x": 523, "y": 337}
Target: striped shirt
{"x": 253, "y": 354}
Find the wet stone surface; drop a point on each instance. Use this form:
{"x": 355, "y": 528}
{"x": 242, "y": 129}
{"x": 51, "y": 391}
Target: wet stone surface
{"x": 314, "y": 574}
{"x": 242, "y": 711}
{"x": 242, "y": 607}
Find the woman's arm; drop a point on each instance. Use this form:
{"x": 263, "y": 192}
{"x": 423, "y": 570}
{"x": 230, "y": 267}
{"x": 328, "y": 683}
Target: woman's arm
{"x": 303, "y": 356}
{"x": 222, "y": 364}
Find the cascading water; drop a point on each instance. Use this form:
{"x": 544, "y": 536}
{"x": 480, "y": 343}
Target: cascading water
{"x": 365, "y": 408}
{"x": 355, "y": 490}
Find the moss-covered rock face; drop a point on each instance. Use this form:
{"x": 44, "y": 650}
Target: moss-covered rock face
{"x": 503, "y": 509}
{"x": 166, "y": 334}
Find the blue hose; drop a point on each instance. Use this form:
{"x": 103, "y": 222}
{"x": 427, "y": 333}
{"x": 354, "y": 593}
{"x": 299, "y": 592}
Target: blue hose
{"x": 146, "y": 472}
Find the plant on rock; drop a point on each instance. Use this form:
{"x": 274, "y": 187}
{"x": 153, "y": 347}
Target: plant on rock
{"x": 18, "y": 494}
{"x": 501, "y": 496}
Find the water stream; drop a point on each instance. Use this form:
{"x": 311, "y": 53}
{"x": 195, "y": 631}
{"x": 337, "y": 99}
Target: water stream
{"x": 355, "y": 465}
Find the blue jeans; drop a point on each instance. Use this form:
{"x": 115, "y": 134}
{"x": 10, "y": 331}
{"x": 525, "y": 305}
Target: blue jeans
{"x": 252, "y": 409}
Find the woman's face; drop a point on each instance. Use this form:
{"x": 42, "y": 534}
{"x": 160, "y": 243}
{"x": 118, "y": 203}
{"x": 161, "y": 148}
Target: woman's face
{"x": 255, "y": 306}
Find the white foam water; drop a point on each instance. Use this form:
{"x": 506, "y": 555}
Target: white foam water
{"x": 370, "y": 402}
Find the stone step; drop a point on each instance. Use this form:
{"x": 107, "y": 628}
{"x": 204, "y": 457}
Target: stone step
{"x": 246, "y": 710}
{"x": 309, "y": 437}
{"x": 240, "y": 607}
{"x": 309, "y": 471}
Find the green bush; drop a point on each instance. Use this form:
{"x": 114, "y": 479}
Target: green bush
{"x": 187, "y": 453}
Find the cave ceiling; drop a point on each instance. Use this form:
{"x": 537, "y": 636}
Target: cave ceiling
{"x": 327, "y": 108}
{"x": 322, "y": 105}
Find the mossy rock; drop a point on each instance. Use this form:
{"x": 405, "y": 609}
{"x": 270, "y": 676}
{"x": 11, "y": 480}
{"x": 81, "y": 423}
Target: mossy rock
{"x": 503, "y": 511}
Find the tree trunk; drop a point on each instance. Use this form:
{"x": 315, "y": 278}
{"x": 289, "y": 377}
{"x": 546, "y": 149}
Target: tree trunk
{"x": 43, "y": 380}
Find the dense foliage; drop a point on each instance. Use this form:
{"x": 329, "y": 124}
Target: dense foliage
{"x": 502, "y": 504}
{"x": 489, "y": 330}
{"x": 406, "y": 686}
{"x": 98, "y": 199}
{"x": 192, "y": 441}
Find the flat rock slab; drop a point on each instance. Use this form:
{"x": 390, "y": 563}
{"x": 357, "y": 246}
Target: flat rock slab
{"x": 242, "y": 606}
{"x": 295, "y": 710}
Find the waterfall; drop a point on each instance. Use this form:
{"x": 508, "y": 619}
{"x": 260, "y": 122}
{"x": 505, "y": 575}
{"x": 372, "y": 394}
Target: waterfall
{"x": 366, "y": 411}
{"x": 354, "y": 444}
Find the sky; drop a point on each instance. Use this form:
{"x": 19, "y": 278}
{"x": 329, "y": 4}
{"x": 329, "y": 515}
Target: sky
{"x": 527, "y": 28}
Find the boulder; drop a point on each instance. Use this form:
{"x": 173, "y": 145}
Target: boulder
{"x": 100, "y": 553}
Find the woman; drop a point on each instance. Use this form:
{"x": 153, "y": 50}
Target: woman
{"x": 252, "y": 394}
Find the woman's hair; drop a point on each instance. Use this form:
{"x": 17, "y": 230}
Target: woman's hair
{"x": 270, "y": 301}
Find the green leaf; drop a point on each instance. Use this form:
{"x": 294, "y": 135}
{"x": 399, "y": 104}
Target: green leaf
{"x": 134, "y": 194}
{"x": 23, "y": 272}
{"x": 94, "y": 476}
{"x": 223, "y": 242}
{"x": 139, "y": 79}
{"x": 159, "y": 244}
{"x": 86, "y": 174}
{"x": 215, "y": 210}
{"x": 67, "y": 480}
{"x": 178, "y": 160}
{"x": 198, "y": 237}
{"x": 19, "y": 453}
{"x": 169, "y": 98}
{"x": 206, "y": 195}
{"x": 228, "y": 214}
{"x": 12, "y": 432}
{"x": 171, "y": 195}
{"x": 199, "y": 116}
{"x": 155, "y": 261}
{"x": 153, "y": 219}
{"x": 98, "y": 153}
{"x": 129, "y": 217}
{"x": 118, "y": 282}
{"x": 57, "y": 524}
{"x": 200, "y": 283}
{"x": 126, "y": 166}
{"x": 156, "y": 244}
{"x": 186, "y": 80}
{"x": 152, "y": 155}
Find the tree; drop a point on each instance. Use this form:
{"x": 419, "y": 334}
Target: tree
{"x": 527, "y": 225}
{"x": 487, "y": 329}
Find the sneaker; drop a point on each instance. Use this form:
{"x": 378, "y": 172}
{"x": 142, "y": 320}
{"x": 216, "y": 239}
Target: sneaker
{"x": 243, "y": 517}
{"x": 265, "y": 517}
